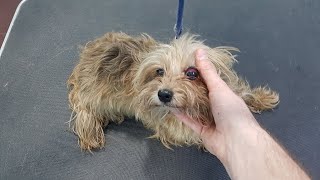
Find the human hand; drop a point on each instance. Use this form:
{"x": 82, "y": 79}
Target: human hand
{"x": 237, "y": 139}
{"x": 231, "y": 115}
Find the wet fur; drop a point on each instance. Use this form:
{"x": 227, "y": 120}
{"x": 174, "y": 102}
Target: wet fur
{"x": 116, "y": 77}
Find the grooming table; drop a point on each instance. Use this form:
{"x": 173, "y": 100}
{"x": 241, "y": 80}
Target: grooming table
{"x": 279, "y": 43}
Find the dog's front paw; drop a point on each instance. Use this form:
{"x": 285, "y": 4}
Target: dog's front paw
{"x": 96, "y": 141}
{"x": 89, "y": 128}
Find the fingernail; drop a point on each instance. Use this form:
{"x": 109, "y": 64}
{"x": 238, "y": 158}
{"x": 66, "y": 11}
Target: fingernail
{"x": 201, "y": 54}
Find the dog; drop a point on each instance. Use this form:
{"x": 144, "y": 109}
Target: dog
{"x": 120, "y": 76}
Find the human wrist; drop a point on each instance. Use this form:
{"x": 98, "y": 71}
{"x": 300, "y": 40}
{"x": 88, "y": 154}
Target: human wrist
{"x": 252, "y": 153}
{"x": 242, "y": 137}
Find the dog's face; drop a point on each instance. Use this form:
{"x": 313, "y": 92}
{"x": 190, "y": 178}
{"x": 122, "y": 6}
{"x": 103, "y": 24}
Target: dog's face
{"x": 167, "y": 78}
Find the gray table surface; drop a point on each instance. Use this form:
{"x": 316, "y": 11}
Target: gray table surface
{"x": 279, "y": 43}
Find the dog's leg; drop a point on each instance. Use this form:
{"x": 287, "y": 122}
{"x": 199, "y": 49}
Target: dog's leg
{"x": 261, "y": 98}
{"x": 258, "y": 99}
{"x": 87, "y": 123}
{"x": 89, "y": 128}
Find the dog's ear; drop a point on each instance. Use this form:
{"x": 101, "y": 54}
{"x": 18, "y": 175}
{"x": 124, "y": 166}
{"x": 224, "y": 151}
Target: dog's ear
{"x": 116, "y": 59}
{"x": 114, "y": 54}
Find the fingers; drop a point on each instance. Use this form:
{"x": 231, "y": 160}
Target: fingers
{"x": 193, "y": 124}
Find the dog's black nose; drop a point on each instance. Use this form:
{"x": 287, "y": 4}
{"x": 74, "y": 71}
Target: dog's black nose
{"x": 165, "y": 95}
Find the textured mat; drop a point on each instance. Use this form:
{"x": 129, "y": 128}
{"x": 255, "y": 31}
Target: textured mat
{"x": 279, "y": 41}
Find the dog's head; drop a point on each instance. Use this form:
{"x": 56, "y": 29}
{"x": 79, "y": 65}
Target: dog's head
{"x": 167, "y": 78}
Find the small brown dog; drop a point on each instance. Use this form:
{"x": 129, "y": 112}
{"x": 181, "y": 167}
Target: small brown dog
{"x": 119, "y": 75}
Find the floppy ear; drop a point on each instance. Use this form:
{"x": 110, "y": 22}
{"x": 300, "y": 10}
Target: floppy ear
{"x": 107, "y": 58}
{"x": 114, "y": 54}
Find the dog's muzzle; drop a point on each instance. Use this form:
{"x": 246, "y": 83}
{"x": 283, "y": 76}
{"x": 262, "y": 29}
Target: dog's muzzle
{"x": 165, "y": 95}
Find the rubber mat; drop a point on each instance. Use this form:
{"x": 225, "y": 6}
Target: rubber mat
{"x": 279, "y": 43}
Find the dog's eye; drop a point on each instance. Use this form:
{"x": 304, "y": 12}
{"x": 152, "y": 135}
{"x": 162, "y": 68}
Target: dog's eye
{"x": 192, "y": 73}
{"x": 160, "y": 72}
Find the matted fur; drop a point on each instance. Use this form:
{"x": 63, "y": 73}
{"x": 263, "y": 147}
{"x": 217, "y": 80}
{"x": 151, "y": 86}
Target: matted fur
{"x": 116, "y": 77}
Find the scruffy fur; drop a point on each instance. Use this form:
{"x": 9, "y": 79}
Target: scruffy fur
{"x": 116, "y": 78}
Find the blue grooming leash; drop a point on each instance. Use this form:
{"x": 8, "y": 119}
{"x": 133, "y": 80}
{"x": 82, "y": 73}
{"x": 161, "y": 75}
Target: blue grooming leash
{"x": 178, "y": 25}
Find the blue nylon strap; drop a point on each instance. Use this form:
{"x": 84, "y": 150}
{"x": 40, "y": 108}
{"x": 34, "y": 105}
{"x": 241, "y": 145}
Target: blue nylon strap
{"x": 178, "y": 25}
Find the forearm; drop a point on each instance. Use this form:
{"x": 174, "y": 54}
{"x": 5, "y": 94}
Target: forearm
{"x": 253, "y": 154}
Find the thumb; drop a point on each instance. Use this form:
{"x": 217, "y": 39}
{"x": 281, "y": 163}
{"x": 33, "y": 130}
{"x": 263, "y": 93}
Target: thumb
{"x": 207, "y": 70}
